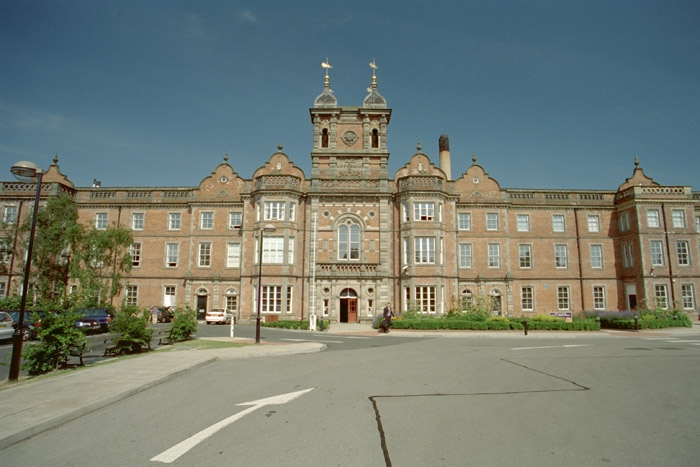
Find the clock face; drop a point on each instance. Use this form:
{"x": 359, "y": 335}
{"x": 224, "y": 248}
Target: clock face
{"x": 475, "y": 179}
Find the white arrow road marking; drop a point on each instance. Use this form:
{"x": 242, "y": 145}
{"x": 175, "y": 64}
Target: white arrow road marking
{"x": 181, "y": 448}
{"x": 550, "y": 347}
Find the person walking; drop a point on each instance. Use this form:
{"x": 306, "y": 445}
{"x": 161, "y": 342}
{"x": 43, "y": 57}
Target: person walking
{"x": 386, "y": 319}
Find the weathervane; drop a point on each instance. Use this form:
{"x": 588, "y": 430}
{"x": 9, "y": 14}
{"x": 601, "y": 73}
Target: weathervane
{"x": 326, "y": 65}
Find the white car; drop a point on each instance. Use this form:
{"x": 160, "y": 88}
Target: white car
{"x": 218, "y": 316}
{"x": 6, "y": 329}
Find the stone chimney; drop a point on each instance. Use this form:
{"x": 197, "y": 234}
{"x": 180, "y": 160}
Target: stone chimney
{"x": 444, "y": 144}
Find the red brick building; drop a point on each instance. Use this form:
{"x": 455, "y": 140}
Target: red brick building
{"x": 351, "y": 237}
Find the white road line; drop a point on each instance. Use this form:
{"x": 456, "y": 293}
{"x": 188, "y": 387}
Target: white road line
{"x": 550, "y": 347}
{"x": 181, "y": 448}
{"x": 312, "y": 340}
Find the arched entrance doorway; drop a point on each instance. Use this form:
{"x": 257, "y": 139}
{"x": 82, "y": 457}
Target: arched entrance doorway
{"x": 348, "y": 306}
{"x": 202, "y": 295}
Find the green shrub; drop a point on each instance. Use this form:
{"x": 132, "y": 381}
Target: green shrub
{"x": 131, "y": 325}
{"x": 184, "y": 325}
{"x": 57, "y": 335}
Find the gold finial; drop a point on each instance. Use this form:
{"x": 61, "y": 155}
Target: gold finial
{"x": 327, "y": 66}
{"x": 373, "y": 66}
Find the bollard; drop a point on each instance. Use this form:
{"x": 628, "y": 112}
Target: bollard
{"x": 636, "y": 322}
{"x": 525, "y": 326}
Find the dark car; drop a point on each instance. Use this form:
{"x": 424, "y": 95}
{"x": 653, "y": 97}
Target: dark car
{"x": 32, "y": 320}
{"x": 101, "y": 315}
{"x": 88, "y": 325}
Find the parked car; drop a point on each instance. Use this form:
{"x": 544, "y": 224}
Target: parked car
{"x": 101, "y": 315}
{"x": 6, "y": 329}
{"x": 30, "y": 324}
{"x": 218, "y": 316}
{"x": 164, "y": 315}
{"x": 88, "y": 325}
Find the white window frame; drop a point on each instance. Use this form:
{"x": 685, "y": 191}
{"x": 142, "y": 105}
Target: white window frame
{"x": 131, "y": 293}
{"x": 527, "y": 298}
{"x": 688, "y": 296}
{"x": 349, "y": 241}
{"x": 274, "y": 210}
{"x": 683, "y": 252}
{"x": 423, "y": 211}
{"x": 593, "y": 223}
{"x": 464, "y": 221}
{"x": 678, "y": 218}
{"x": 492, "y": 223}
{"x": 558, "y": 223}
{"x": 273, "y": 250}
{"x": 596, "y": 250}
{"x": 138, "y": 220}
{"x": 233, "y": 255}
{"x": 494, "y": 255}
{"x": 174, "y": 221}
{"x": 204, "y": 254}
{"x": 600, "y": 300}
{"x": 9, "y": 215}
{"x": 425, "y": 299}
{"x": 235, "y": 220}
{"x": 172, "y": 252}
{"x": 661, "y": 296}
{"x": 135, "y": 250}
{"x": 206, "y": 220}
{"x": 522, "y": 222}
{"x": 525, "y": 256}
{"x": 653, "y": 218}
{"x": 656, "y": 252}
{"x": 424, "y": 250}
{"x": 563, "y": 298}
{"x": 561, "y": 255}
{"x": 465, "y": 255}
{"x": 101, "y": 220}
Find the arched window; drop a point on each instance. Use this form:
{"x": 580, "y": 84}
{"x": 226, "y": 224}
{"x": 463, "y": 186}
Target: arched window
{"x": 375, "y": 138}
{"x": 231, "y": 300}
{"x": 349, "y": 241}
{"x": 466, "y": 299}
{"x": 324, "y": 138}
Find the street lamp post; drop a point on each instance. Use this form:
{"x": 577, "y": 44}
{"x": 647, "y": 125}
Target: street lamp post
{"x": 25, "y": 171}
{"x": 267, "y": 228}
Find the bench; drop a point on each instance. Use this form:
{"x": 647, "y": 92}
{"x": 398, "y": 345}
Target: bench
{"x": 78, "y": 351}
{"x": 164, "y": 337}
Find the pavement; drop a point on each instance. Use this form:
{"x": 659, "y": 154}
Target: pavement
{"x": 34, "y": 405}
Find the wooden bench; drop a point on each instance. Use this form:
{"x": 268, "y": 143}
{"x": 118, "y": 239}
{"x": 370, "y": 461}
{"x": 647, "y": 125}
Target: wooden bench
{"x": 164, "y": 337}
{"x": 78, "y": 351}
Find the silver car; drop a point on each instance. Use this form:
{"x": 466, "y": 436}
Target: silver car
{"x": 6, "y": 329}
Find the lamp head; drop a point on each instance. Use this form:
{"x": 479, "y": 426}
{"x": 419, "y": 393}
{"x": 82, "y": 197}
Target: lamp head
{"x": 25, "y": 171}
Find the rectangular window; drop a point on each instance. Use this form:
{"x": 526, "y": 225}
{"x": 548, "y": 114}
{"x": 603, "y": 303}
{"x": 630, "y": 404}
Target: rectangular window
{"x": 491, "y": 221}
{"x": 235, "y": 220}
{"x": 525, "y": 256}
{"x": 599, "y": 302}
{"x": 678, "y": 218}
{"x": 423, "y": 211}
{"x": 232, "y": 303}
{"x": 563, "y": 298}
{"x": 137, "y": 221}
{"x": 527, "y": 298}
{"x": 135, "y": 252}
{"x": 132, "y": 295}
{"x": 204, "y": 257}
{"x": 653, "y": 218}
{"x": 9, "y": 215}
{"x": 174, "y": 221}
{"x": 494, "y": 255}
{"x": 404, "y": 210}
{"x": 272, "y": 299}
{"x": 624, "y": 221}
{"x": 273, "y": 250}
{"x": 292, "y": 211}
{"x": 172, "y": 251}
{"x": 465, "y": 255}
{"x": 661, "y": 296}
{"x": 406, "y": 250}
{"x": 5, "y": 250}
{"x": 289, "y": 300}
{"x": 657, "y": 252}
{"x": 424, "y": 250}
{"x": 683, "y": 252}
{"x": 169, "y": 295}
{"x": 206, "y": 221}
{"x": 523, "y": 222}
{"x": 627, "y": 256}
{"x": 596, "y": 256}
{"x": 233, "y": 255}
{"x": 558, "y": 224}
{"x": 594, "y": 223}
{"x": 465, "y": 221}
{"x": 274, "y": 211}
{"x": 290, "y": 250}
{"x": 101, "y": 221}
{"x": 687, "y": 296}
{"x": 3, "y": 290}
{"x": 561, "y": 259}
{"x": 425, "y": 299}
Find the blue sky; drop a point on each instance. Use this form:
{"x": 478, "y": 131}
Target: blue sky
{"x": 548, "y": 93}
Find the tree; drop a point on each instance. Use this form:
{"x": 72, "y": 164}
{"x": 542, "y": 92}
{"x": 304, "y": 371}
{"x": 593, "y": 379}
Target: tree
{"x": 100, "y": 262}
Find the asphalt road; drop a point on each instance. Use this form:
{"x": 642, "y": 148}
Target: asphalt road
{"x": 395, "y": 401}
